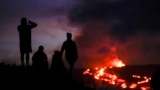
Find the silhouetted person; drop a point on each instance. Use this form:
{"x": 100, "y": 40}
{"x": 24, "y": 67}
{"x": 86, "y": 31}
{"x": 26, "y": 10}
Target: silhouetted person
{"x": 57, "y": 65}
{"x": 40, "y": 60}
{"x": 25, "y": 39}
{"x": 71, "y": 53}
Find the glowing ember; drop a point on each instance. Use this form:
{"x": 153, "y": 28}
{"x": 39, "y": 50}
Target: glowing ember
{"x": 123, "y": 85}
{"x": 103, "y": 74}
{"x": 134, "y": 85}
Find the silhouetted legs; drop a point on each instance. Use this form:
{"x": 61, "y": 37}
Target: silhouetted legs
{"x": 22, "y": 58}
{"x": 71, "y": 70}
{"x": 71, "y": 75}
{"x": 27, "y": 58}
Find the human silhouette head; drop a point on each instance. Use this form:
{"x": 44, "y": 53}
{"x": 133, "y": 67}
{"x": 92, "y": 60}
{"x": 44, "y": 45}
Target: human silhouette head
{"x": 41, "y": 48}
{"x": 69, "y": 36}
{"x": 23, "y": 21}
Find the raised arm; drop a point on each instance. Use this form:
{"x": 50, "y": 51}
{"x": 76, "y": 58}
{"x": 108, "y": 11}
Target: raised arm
{"x": 32, "y": 24}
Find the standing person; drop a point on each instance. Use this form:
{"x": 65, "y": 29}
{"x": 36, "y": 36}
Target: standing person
{"x": 71, "y": 52}
{"x": 40, "y": 60}
{"x": 24, "y": 30}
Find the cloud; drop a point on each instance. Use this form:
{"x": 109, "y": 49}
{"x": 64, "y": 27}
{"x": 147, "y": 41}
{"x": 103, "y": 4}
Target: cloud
{"x": 120, "y": 24}
{"x": 134, "y": 15}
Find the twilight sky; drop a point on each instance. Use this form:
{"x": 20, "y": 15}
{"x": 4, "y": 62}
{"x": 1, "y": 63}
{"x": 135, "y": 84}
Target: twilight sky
{"x": 103, "y": 29}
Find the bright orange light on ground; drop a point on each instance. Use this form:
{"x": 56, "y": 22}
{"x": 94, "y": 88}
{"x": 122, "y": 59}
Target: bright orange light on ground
{"x": 102, "y": 74}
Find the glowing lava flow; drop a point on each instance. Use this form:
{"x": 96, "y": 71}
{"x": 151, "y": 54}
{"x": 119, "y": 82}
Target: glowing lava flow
{"x": 117, "y": 63}
{"x": 102, "y": 74}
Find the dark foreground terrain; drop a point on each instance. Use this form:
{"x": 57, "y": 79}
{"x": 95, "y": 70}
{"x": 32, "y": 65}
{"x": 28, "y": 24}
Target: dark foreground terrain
{"x": 17, "y": 77}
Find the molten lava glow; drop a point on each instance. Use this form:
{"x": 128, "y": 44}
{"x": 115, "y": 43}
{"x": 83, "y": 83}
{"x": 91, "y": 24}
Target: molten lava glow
{"x": 133, "y": 85}
{"x": 102, "y": 74}
{"x": 117, "y": 63}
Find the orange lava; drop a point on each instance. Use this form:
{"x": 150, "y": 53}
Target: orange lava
{"x": 101, "y": 74}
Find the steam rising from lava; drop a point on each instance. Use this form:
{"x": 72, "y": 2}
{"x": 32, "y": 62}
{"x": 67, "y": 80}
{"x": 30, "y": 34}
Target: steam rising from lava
{"x": 95, "y": 47}
{"x": 129, "y": 26}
